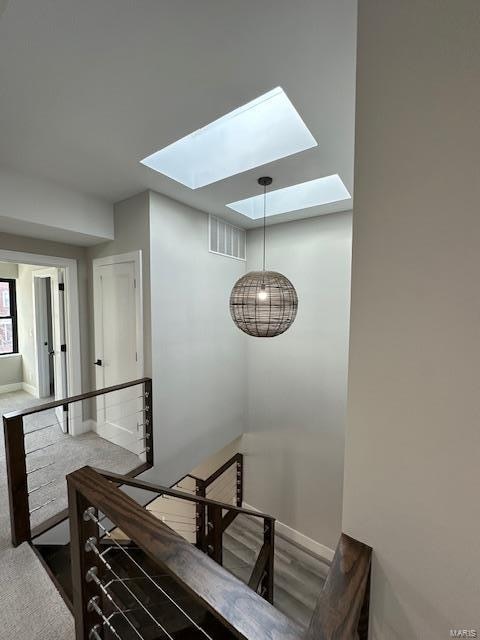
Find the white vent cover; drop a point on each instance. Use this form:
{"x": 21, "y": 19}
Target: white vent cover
{"x": 226, "y": 239}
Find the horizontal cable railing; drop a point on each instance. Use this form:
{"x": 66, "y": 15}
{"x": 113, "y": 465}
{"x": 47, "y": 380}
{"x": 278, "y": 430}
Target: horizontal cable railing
{"x": 203, "y": 521}
{"x": 96, "y": 499}
{"x": 44, "y": 443}
{"x": 107, "y": 573}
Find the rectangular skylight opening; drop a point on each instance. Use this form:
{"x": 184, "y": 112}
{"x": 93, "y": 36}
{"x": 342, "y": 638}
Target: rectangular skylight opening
{"x": 299, "y": 196}
{"x": 262, "y": 131}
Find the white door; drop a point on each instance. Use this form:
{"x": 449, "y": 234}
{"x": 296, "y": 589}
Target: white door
{"x": 119, "y": 348}
{"x": 56, "y": 350}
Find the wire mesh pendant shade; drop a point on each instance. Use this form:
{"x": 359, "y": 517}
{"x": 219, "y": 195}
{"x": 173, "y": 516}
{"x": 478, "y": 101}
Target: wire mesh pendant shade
{"x": 263, "y": 303}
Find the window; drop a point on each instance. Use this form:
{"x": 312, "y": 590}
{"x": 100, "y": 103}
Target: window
{"x": 261, "y": 131}
{"x": 8, "y": 317}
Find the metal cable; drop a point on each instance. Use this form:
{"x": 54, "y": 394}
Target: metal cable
{"x": 42, "y": 505}
{"x": 51, "y": 444}
{"x": 44, "y": 466}
{"x": 105, "y": 620}
{"x": 107, "y": 533}
{"x": 99, "y": 584}
{"x": 114, "y": 573}
{"x": 48, "y": 426}
{"x": 117, "y": 404}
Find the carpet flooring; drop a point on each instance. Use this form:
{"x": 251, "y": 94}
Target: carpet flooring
{"x": 30, "y": 606}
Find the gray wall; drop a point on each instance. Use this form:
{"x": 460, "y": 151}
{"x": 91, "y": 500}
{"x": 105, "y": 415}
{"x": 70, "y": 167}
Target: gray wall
{"x": 297, "y": 381}
{"x": 199, "y": 357}
{"x": 132, "y": 233}
{"x": 413, "y": 438}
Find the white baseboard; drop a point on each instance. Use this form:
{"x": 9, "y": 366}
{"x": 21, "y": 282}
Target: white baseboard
{"x": 30, "y": 389}
{"x": 7, "y": 388}
{"x": 300, "y": 539}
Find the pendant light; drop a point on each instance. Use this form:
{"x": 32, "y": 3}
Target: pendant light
{"x": 263, "y": 303}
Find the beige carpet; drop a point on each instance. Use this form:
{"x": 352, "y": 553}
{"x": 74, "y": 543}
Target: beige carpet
{"x": 30, "y": 606}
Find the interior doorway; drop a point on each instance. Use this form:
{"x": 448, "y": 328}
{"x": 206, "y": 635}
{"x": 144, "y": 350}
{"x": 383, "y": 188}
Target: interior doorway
{"x": 44, "y": 358}
{"x": 50, "y": 337}
{"x": 118, "y": 321}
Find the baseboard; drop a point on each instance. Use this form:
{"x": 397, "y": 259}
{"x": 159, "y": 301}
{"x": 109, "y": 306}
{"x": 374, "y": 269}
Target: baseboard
{"x": 7, "y": 388}
{"x": 30, "y": 389}
{"x": 301, "y": 540}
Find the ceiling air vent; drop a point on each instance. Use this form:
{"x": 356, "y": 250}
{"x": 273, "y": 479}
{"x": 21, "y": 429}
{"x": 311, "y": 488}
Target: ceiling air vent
{"x": 225, "y": 239}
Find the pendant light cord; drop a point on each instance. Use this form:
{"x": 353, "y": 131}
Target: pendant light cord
{"x": 264, "y": 222}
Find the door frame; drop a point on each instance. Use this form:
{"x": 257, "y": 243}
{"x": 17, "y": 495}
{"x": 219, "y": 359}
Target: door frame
{"x": 38, "y": 319}
{"x": 72, "y": 322}
{"x": 59, "y": 361}
{"x": 136, "y": 258}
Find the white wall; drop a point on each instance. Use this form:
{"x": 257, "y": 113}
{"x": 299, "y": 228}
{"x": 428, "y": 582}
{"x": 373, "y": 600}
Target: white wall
{"x": 10, "y": 365}
{"x": 413, "y": 437}
{"x": 39, "y": 208}
{"x": 8, "y": 270}
{"x": 297, "y": 381}
{"x": 26, "y": 321}
{"x": 11, "y": 372}
{"x": 199, "y": 357}
{"x": 132, "y": 233}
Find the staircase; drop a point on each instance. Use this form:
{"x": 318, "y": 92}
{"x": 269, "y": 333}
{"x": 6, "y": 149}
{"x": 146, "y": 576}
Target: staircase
{"x": 298, "y": 575}
{"x": 138, "y": 560}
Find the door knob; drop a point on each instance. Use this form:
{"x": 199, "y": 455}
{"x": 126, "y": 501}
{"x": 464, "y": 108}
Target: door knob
{"x": 98, "y": 363}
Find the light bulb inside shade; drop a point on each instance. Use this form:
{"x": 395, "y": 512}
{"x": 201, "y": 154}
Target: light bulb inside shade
{"x": 262, "y": 295}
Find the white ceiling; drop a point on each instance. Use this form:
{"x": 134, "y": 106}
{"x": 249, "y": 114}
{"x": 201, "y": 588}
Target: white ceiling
{"x": 90, "y": 87}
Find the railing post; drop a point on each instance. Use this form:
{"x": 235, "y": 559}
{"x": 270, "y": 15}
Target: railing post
{"x": 200, "y": 490}
{"x": 239, "y": 483}
{"x": 81, "y": 530}
{"x": 266, "y": 584}
{"x": 215, "y": 532}
{"x": 17, "y": 480}
{"x": 148, "y": 419}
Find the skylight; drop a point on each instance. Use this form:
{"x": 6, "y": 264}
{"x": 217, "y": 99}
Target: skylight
{"x": 299, "y": 196}
{"x": 263, "y": 130}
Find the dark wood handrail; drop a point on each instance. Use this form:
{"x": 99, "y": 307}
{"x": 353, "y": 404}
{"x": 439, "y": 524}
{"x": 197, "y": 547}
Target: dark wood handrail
{"x": 71, "y": 399}
{"x": 221, "y": 470}
{"x": 344, "y": 594}
{"x": 16, "y": 457}
{"x": 240, "y": 609}
{"x": 175, "y": 493}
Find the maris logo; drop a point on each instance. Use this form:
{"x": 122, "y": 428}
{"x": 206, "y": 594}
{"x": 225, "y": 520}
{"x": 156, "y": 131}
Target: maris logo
{"x": 463, "y": 633}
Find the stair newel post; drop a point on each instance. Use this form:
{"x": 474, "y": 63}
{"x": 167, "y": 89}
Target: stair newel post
{"x": 82, "y": 531}
{"x": 200, "y": 491}
{"x": 215, "y": 532}
{"x": 266, "y": 585}
{"x": 17, "y": 479}
{"x": 148, "y": 415}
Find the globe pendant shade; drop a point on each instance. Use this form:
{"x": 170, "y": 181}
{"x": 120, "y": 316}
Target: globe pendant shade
{"x": 263, "y": 303}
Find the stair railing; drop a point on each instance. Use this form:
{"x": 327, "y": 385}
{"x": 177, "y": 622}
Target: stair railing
{"x": 211, "y": 520}
{"x": 96, "y": 499}
{"x": 24, "y": 461}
